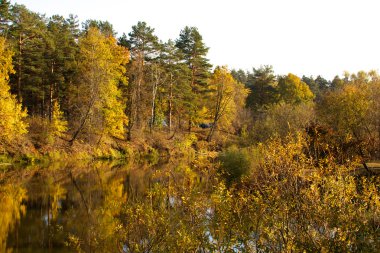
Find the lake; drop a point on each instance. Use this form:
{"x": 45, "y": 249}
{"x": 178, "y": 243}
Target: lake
{"x": 72, "y": 207}
{"x": 184, "y": 206}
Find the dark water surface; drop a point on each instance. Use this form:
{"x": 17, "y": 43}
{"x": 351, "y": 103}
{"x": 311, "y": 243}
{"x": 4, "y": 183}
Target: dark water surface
{"x": 62, "y": 208}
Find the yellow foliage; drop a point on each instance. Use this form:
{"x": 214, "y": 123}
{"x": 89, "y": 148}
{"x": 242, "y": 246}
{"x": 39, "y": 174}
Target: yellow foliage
{"x": 293, "y": 90}
{"x": 227, "y": 97}
{"x": 346, "y": 109}
{"x": 58, "y": 123}
{"x": 102, "y": 69}
{"x": 11, "y": 210}
{"x": 11, "y": 112}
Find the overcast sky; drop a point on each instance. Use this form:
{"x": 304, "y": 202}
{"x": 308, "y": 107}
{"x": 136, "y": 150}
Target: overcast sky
{"x": 305, "y": 37}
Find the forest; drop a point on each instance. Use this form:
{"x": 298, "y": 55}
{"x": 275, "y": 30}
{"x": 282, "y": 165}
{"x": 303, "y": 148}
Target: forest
{"x": 229, "y": 160}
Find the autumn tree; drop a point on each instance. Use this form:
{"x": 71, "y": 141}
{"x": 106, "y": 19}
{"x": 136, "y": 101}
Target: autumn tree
{"x": 11, "y": 113}
{"x": 374, "y": 113}
{"x": 96, "y": 97}
{"x": 293, "y": 90}
{"x": 58, "y": 122}
{"x": 348, "y": 111}
{"x": 282, "y": 120}
{"x": 227, "y": 96}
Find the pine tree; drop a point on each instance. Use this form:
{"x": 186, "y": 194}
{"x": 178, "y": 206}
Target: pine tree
{"x": 262, "y": 83}
{"x": 144, "y": 49}
{"x": 61, "y": 56}
{"x": 105, "y": 27}
{"x": 178, "y": 90}
{"x": 28, "y": 34}
{"x": 194, "y": 51}
{"x": 5, "y": 17}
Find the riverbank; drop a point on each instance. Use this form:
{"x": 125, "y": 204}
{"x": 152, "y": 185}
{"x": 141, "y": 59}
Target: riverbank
{"x": 153, "y": 147}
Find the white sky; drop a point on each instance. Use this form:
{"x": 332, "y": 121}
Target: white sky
{"x": 308, "y": 37}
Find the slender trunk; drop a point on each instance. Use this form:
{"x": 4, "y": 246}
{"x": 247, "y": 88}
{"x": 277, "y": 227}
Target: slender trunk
{"x": 51, "y": 87}
{"x": 179, "y": 122}
{"x": 129, "y": 134}
{"x": 216, "y": 115}
{"x": 50, "y": 102}
{"x": 43, "y": 104}
{"x": 362, "y": 153}
{"x": 138, "y": 101}
{"x": 19, "y": 69}
{"x": 140, "y": 79}
{"x": 130, "y": 111}
{"x": 212, "y": 130}
{"x": 170, "y": 103}
{"x": 193, "y": 88}
{"x": 154, "y": 92}
{"x": 83, "y": 121}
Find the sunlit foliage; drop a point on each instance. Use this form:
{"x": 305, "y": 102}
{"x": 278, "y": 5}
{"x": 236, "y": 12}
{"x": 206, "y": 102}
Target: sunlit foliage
{"x": 11, "y": 113}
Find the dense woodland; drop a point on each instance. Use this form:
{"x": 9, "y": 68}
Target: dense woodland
{"x": 63, "y": 82}
{"x": 287, "y": 158}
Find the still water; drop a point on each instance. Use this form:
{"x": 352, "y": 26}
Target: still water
{"x": 80, "y": 208}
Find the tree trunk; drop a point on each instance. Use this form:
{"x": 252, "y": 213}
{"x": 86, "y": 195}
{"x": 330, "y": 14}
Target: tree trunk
{"x": 51, "y": 87}
{"x": 19, "y": 69}
{"x": 170, "y": 103}
{"x": 83, "y": 121}
{"x": 153, "y": 110}
{"x": 130, "y": 111}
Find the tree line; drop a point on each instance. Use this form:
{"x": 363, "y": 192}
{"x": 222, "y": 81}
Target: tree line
{"x": 88, "y": 84}
{"x": 101, "y": 85}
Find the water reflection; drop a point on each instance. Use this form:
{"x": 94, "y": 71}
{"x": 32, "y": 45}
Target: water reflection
{"x": 11, "y": 210}
{"x": 86, "y": 208}
{"x": 174, "y": 207}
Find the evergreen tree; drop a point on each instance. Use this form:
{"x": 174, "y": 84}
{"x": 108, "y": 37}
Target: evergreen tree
{"x": 317, "y": 85}
{"x": 62, "y": 55}
{"x": 28, "y": 34}
{"x": 194, "y": 51}
{"x": 104, "y": 26}
{"x": 144, "y": 49}
{"x": 240, "y": 76}
{"x": 262, "y": 84}
{"x": 73, "y": 22}
{"x": 5, "y": 17}
{"x": 178, "y": 90}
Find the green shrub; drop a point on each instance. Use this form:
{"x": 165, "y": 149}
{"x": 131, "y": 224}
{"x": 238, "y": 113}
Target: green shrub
{"x": 235, "y": 164}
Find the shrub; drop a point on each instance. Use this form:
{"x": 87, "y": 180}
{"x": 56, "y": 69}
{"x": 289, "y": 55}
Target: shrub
{"x": 235, "y": 164}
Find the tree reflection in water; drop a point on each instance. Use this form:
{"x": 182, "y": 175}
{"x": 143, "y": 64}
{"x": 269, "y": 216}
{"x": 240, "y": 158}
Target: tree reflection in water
{"x": 11, "y": 210}
{"x": 177, "y": 207}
